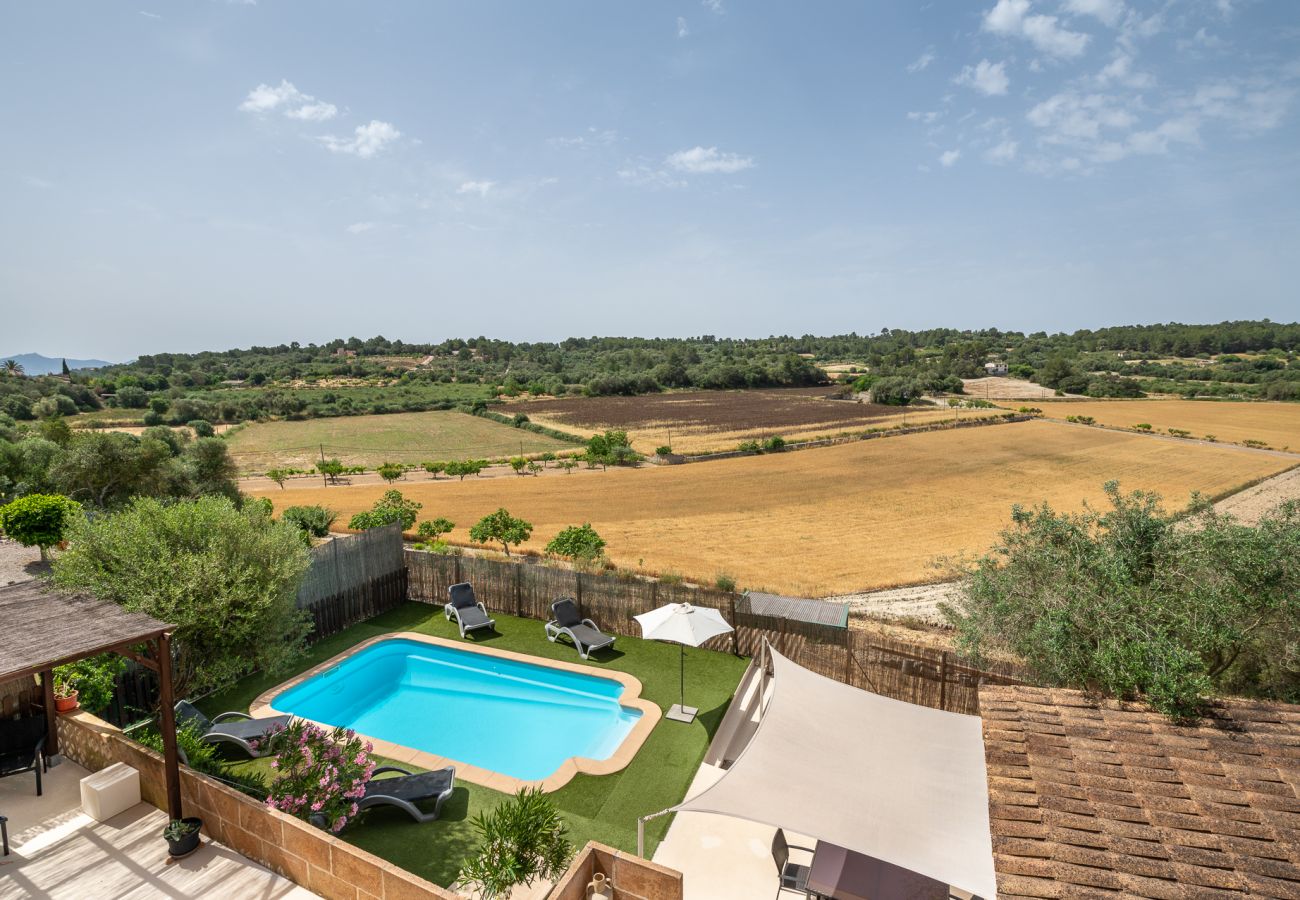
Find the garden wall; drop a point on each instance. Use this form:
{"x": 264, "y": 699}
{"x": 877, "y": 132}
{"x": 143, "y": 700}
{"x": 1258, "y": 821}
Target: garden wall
{"x": 631, "y": 877}
{"x": 318, "y": 861}
{"x": 892, "y": 668}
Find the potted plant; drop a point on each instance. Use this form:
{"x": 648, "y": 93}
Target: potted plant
{"x": 65, "y": 692}
{"x": 182, "y": 835}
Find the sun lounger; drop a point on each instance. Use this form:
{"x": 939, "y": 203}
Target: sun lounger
{"x": 235, "y": 728}
{"x": 583, "y": 632}
{"x": 406, "y": 790}
{"x": 465, "y": 608}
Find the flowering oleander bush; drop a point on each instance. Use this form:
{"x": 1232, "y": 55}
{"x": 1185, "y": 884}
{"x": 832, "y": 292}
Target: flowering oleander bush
{"x": 319, "y": 775}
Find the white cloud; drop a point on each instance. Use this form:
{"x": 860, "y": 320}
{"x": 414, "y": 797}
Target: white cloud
{"x": 149, "y": 15}
{"x": 988, "y": 78}
{"x": 682, "y": 30}
{"x": 366, "y": 140}
{"x": 922, "y": 62}
{"x": 714, "y": 6}
{"x": 927, "y": 118}
{"x": 1011, "y": 18}
{"x": 708, "y": 161}
{"x": 949, "y": 158}
{"x": 1069, "y": 117}
{"x": 594, "y": 138}
{"x": 359, "y": 227}
{"x": 287, "y": 99}
{"x": 476, "y": 187}
{"x": 1108, "y": 12}
{"x": 1120, "y": 71}
{"x": 1004, "y": 152}
{"x": 642, "y": 175}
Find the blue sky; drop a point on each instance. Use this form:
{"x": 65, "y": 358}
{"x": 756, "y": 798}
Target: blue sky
{"x": 206, "y": 174}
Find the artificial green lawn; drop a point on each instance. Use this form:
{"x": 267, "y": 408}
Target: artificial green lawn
{"x": 603, "y": 808}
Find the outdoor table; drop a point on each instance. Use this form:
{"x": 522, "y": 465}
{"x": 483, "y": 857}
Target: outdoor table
{"x": 846, "y": 875}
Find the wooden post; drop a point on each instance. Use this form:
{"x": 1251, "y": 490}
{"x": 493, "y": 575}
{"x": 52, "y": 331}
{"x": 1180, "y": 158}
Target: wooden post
{"x": 51, "y": 717}
{"x": 943, "y": 680}
{"x": 848, "y": 656}
{"x": 162, "y": 648}
{"x": 735, "y": 629}
{"x": 519, "y": 575}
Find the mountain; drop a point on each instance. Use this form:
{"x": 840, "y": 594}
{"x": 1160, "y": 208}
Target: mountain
{"x": 35, "y": 364}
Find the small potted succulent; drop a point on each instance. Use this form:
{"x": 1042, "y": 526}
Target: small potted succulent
{"x": 182, "y": 835}
{"x": 65, "y": 692}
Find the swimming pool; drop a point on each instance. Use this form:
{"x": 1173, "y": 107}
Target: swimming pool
{"x": 497, "y": 711}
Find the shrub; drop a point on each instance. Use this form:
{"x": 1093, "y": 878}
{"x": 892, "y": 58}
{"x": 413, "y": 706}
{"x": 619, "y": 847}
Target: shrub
{"x": 774, "y": 444}
{"x": 520, "y": 841}
{"x": 1081, "y": 420}
{"x": 94, "y": 679}
{"x": 226, "y": 577}
{"x": 502, "y": 527}
{"x": 724, "y": 582}
{"x": 312, "y": 520}
{"x": 1127, "y": 602}
{"x": 750, "y": 447}
{"x": 1211, "y": 438}
{"x": 390, "y": 508}
{"x": 202, "y": 428}
{"x": 390, "y": 472}
{"x": 579, "y": 543}
{"x": 1251, "y": 442}
{"x": 319, "y": 775}
{"x": 665, "y": 450}
{"x": 38, "y": 520}
{"x": 1143, "y": 426}
{"x": 1179, "y": 432}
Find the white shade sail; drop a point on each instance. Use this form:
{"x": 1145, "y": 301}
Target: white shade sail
{"x": 902, "y": 783}
{"x": 682, "y": 623}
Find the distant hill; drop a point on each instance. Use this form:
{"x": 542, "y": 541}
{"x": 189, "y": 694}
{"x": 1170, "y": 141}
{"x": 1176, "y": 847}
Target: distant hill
{"x": 36, "y": 364}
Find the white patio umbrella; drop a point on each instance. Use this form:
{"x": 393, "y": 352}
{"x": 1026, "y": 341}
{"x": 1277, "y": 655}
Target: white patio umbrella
{"x": 682, "y": 624}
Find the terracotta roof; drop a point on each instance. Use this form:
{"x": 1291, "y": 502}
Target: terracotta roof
{"x": 1112, "y": 800}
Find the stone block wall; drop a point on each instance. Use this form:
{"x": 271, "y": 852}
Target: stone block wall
{"x": 631, "y": 877}
{"x": 305, "y": 855}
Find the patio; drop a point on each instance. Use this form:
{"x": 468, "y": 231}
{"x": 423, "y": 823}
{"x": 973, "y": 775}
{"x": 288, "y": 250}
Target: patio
{"x": 57, "y": 851}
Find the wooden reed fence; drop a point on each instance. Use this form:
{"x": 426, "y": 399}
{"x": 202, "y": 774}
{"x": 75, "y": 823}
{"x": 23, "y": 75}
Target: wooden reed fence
{"x": 897, "y": 669}
{"x": 352, "y": 579}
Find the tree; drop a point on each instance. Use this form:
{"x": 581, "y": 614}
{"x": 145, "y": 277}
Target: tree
{"x": 13, "y": 368}
{"x": 502, "y": 527}
{"x": 38, "y": 520}
{"x": 226, "y": 577}
{"x": 391, "y": 507}
{"x": 433, "y": 468}
{"x": 279, "y": 476}
{"x": 435, "y": 529}
{"x": 1130, "y": 602}
{"x": 331, "y": 469}
{"x": 567, "y": 465}
{"x": 390, "y": 472}
{"x": 579, "y": 543}
{"x": 132, "y": 397}
{"x": 65, "y": 370}
{"x": 518, "y": 463}
{"x": 312, "y": 520}
{"x": 896, "y": 391}
{"x": 211, "y": 469}
{"x": 202, "y": 428}
{"x": 520, "y": 841}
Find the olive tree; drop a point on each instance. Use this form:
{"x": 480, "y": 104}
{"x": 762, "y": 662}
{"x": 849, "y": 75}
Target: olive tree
{"x": 1132, "y": 602}
{"x": 226, "y": 577}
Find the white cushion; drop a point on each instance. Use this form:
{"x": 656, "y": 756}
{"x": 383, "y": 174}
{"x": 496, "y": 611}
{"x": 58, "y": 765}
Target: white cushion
{"x": 110, "y": 791}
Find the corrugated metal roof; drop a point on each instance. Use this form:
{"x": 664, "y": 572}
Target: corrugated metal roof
{"x": 799, "y": 609}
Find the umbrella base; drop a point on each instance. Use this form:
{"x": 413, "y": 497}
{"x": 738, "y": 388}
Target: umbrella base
{"x": 680, "y": 713}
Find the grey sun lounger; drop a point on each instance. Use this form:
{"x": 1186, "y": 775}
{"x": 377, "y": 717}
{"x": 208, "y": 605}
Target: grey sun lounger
{"x": 406, "y": 790}
{"x": 465, "y": 608}
{"x": 583, "y": 632}
{"x": 235, "y": 728}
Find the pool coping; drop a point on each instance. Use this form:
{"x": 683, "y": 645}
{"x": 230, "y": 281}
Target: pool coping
{"x": 631, "y": 697}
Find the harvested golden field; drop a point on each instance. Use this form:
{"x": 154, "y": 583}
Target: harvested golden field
{"x": 869, "y": 514}
{"x": 373, "y": 440}
{"x": 707, "y": 421}
{"x": 1276, "y": 424}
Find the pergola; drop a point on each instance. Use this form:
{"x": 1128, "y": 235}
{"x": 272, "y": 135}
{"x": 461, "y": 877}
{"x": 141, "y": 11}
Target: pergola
{"x": 44, "y": 629}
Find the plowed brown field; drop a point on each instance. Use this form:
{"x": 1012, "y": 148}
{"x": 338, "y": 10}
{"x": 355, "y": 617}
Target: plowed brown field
{"x": 847, "y": 518}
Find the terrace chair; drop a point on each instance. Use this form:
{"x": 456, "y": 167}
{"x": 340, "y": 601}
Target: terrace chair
{"x": 469, "y": 613}
{"x": 236, "y": 728}
{"x": 22, "y": 748}
{"x": 794, "y": 876}
{"x": 583, "y": 632}
{"x": 406, "y": 790}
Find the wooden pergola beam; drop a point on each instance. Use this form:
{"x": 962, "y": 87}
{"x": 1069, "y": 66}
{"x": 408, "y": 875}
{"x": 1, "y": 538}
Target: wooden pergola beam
{"x": 167, "y": 724}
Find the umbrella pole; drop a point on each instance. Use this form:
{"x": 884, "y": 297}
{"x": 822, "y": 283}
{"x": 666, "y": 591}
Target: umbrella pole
{"x": 683, "y": 676}
{"x": 680, "y": 711}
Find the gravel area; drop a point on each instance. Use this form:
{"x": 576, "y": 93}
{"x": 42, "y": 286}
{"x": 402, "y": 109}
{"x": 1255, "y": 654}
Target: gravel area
{"x": 19, "y": 563}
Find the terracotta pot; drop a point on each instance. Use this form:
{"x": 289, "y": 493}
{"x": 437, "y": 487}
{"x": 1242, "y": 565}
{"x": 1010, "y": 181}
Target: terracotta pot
{"x": 66, "y": 704}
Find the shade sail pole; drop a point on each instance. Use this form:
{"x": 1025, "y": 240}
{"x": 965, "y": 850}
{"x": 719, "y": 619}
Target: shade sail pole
{"x": 167, "y": 724}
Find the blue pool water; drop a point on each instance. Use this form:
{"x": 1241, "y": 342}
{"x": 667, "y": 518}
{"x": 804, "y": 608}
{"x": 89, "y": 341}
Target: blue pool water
{"x": 511, "y": 717}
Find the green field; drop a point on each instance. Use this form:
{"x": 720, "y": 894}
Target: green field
{"x": 373, "y": 440}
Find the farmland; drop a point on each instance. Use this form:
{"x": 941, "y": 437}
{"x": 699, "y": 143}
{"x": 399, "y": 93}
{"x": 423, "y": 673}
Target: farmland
{"x": 702, "y": 421}
{"x": 846, "y": 518}
{"x": 1276, "y": 424}
{"x": 372, "y": 440}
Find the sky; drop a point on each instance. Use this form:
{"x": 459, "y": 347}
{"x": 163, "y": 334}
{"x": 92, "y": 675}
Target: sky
{"x": 204, "y": 174}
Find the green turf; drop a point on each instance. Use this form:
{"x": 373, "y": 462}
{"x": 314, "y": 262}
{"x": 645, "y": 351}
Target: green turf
{"x": 603, "y": 808}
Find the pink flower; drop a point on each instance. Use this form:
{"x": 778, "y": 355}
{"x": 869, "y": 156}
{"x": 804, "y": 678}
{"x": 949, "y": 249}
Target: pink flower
{"x": 316, "y": 807}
